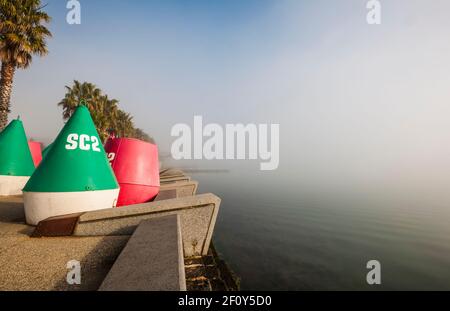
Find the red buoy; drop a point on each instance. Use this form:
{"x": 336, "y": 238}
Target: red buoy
{"x": 36, "y": 152}
{"x": 136, "y": 166}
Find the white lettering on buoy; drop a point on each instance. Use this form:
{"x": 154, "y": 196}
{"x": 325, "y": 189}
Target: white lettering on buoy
{"x": 83, "y": 139}
{"x": 111, "y": 157}
{"x": 95, "y": 144}
{"x": 72, "y": 142}
{"x": 83, "y": 142}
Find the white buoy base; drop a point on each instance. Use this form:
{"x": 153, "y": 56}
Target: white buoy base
{"x": 12, "y": 185}
{"x": 43, "y": 205}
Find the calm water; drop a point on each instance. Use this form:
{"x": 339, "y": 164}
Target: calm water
{"x": 305, "y": 241}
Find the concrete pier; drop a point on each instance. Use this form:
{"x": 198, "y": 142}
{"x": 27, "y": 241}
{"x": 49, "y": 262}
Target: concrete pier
{"x": 148, "y": 246}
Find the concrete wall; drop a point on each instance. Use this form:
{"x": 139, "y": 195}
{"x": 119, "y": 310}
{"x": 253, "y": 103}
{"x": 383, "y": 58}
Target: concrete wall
{"x": 197, "y": 214}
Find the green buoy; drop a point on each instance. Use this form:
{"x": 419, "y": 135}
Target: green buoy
{"x": 46, "y": 150}
{"x": 16, "y": 162}
{"x": 74, "y": 175}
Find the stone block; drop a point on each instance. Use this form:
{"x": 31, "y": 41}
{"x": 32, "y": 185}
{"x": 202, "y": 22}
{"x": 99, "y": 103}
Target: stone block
{"x": 198, "y": 216}
{"x": 152, "y": 260}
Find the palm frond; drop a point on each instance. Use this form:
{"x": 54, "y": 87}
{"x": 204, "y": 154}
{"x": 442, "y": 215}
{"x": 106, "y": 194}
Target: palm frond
{"x": 105, "y": 112}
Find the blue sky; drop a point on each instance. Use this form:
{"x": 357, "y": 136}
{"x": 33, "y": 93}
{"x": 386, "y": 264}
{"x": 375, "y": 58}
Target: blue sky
{"x": 192, "y": 55}
{"x": 354, "y": 101}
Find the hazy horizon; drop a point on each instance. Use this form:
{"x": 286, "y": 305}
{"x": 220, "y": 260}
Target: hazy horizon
{"x": 358, "y": 105}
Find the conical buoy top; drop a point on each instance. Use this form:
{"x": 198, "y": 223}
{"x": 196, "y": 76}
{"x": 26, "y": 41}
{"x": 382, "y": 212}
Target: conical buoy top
{"x": 76, "y": 160}
{"x": 46, "y": 150}
{"x": 15, "y": 155}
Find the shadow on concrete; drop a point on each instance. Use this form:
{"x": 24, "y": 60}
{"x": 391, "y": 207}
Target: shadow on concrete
{"x": 96, "y": 264}
{"x": 12, "y": 210}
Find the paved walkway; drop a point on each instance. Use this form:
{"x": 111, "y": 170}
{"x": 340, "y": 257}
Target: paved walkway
{"x": 40, "y": 264}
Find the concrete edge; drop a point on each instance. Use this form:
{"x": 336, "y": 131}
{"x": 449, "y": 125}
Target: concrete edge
{"x": 211, "y": 227}
{"x": 171, "y": 172}
{"x": 180, "y": 185}
{"x": 181, "y": 268}
{"x": 152, "y": 207}
{"x": 165, "y": 180}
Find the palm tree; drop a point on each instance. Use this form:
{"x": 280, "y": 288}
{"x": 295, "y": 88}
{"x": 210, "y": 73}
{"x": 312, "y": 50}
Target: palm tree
{"x": 140, "y": 134}
{"x": 85, "y": 91}
{"x": 22, "y": 35}
{"x": 105, "y": 112}
{"x": 124, "y": 124}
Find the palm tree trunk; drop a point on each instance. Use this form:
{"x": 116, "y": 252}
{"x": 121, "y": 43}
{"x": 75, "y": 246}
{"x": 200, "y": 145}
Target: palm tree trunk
{"x": 6, "y": 80}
